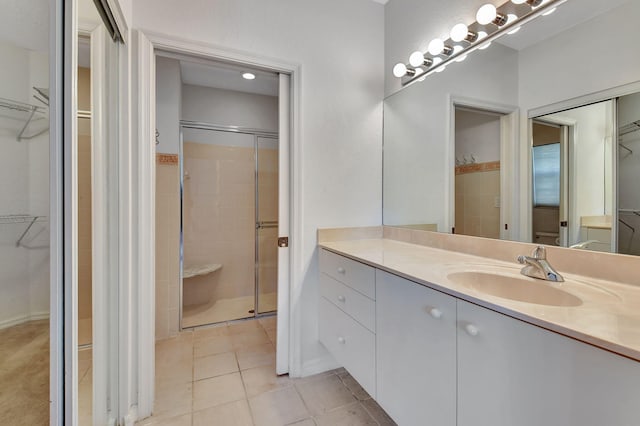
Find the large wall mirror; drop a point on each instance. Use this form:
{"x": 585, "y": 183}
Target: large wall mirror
{"x": 531, "y": 139}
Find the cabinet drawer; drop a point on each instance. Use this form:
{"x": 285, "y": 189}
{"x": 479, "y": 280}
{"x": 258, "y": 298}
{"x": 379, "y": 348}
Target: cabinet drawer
{"x": 356, "y": 275}
{"x": 360, "y": 307}
{"x": 352, "y": 345}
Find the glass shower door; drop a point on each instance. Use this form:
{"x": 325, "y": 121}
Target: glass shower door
{"x": 266, "y": 224}
{"x": 218, "y": 217}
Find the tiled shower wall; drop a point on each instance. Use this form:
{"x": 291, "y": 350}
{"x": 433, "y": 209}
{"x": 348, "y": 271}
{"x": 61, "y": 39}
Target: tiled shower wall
{"x": 477, "y": 192}
{"x": 167, "y": 245}
{"x": 219, "y": 220}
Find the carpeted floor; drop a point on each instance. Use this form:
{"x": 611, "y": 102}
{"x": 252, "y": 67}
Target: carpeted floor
{"x": 24, "y": 374}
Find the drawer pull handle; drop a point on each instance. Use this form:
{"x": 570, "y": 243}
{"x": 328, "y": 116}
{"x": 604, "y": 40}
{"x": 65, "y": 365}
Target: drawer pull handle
{"x": 471, "y": 329}
{"x": 435, "y": 313}
{"x": 341, "y": 340}
{"x": 341, "y": 270}
{"x": 342, "y": 298}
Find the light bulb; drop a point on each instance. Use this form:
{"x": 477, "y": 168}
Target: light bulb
{"x": 459, "y": 32}
{"x": 436, "y": 46}
{"x": 549, "y": 12}
{"x": 416, "y": 59}
{"x": 400, "y": 70}
{"x": 482, "y": 35}
{"x": 419, "y": 71}
{"x": 436, "y": 61}
{"x": 248, "y": 76}
{"x": 486, "y": 14}
{"x": 511, "y": 18}
{"x": 518, "y": 1}
{"x": 457, "y": 49}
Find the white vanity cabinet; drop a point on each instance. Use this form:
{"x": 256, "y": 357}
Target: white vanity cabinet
{"x": 512, "y": 373}
{"x": 415, "y": 351}
{"x": 432, "y": 359}
{"x": 347, "y": 316}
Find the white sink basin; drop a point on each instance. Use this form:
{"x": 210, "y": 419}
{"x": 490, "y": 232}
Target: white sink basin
{"x": 521, "y": 289}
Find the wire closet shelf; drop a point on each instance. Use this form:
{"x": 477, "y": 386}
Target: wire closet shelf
{"x": 28, "y": 113}
{"x": 12, "y": 219}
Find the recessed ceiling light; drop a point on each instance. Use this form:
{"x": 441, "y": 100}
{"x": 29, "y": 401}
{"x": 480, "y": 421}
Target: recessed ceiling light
{"x": 248, "y": 76}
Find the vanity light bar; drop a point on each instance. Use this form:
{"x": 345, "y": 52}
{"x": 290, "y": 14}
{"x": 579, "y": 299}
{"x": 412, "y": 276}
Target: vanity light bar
{"x": 508, "y": 18}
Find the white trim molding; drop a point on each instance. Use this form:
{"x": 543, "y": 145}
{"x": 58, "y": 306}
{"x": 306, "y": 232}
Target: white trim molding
{"x": 149, "y": 43}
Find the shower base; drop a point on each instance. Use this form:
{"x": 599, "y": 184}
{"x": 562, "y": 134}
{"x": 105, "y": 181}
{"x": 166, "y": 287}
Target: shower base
{"x": 226, "y": 310}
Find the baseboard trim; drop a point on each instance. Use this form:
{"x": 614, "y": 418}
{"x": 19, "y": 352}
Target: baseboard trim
{"x": 318, "y": 365}
{"x": 23, "y": 318}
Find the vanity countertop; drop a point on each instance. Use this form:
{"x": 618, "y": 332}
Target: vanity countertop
{"x": 608, "y": 317}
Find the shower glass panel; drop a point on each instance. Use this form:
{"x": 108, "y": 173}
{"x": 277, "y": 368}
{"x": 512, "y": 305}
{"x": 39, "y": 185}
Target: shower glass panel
{"x": 267, "y": 224}
{"x": 218, "y": 226}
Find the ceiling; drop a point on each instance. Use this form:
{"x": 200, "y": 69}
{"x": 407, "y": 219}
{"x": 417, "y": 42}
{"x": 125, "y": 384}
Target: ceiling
{"x": 568, "y": 14}
{"x": 220, "y": 75}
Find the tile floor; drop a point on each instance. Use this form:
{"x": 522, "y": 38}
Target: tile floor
{"x": 226, "y": 309}
{"x": 225, "y": 375}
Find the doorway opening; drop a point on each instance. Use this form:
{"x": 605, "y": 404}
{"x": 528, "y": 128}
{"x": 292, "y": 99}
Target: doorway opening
{"x": 479, "y": 139}
{"x": 218, "y": 191}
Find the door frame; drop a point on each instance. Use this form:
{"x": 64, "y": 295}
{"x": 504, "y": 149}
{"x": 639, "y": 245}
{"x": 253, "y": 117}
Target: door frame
{"x": 289, "y": 343}
{"x": 509, "y": 166}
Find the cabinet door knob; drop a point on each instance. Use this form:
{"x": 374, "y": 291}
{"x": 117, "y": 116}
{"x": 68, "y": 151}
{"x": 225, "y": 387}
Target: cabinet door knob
{"x": 471, "y": 329}
{"x": 341, "y": 270}
{"x": 342, "y": 298}
{"x": 435, "y": 312}
{"x": 341, "y": 340}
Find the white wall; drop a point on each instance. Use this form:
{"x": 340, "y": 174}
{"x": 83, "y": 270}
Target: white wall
{"x": 24, "y": 189}
{"x": 229, "y": 108}
{"x": 416, "y": 145}
{"x": 340, "y": 48}
{"x": 168, "y": 104}
{"x": 477, "y": 134}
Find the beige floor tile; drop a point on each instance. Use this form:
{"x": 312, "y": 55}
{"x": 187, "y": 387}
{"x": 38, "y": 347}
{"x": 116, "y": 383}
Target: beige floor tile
{"x": 217, "y": 391}
{"x": 244, "y": 326}
{"x": 314, "y": 378}
{"x": 269, "y": 323}
{"x": 212, "y": 331}
{"x": 249, "y": 338}
{"x": 354, "y": 387}
{"x": 263, "y": 379}
{"x": 183, "y": 420}
{"x": 325, "y": 395}
{"x": 256, "y": 356}
{"x": 214, "y": 365}
{"x": 212, "y": 345}
{"x": 272, "y": 333}
{"x": 350, "y": 415}
{"x": 378, "y": 413}
{"x": 172, "y": 399}
{"x": 235, "y": 413}
{"x": 280, "y": 407}
{"x": 305, "y": 422}
{"x": 178, "y": 372}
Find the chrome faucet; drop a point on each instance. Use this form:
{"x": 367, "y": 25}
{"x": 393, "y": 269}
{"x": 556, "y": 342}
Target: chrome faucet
{"x": 538, "y": 267}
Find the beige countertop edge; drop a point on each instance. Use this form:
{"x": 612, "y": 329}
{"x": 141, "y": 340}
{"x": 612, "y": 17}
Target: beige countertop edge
{"x": 608, "y": 345}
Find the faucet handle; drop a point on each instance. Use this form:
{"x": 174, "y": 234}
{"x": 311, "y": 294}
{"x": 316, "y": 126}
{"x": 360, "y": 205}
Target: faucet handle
{"x": 539, "y": 253}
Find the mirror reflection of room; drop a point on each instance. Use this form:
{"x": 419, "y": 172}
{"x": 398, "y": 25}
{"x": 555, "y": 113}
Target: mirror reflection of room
{"x": 477, "y": 173}
{"x": 573, "y": 198}
{"x": 24, "y": 215}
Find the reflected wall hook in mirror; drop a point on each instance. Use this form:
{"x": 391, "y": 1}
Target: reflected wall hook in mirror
{"x": 157, "y": 136}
